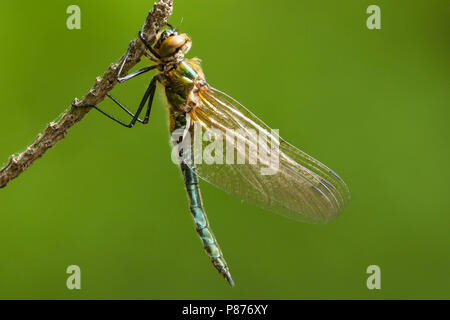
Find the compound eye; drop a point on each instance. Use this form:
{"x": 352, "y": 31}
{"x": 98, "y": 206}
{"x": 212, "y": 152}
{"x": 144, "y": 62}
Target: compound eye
{"x": 171, "y": 45}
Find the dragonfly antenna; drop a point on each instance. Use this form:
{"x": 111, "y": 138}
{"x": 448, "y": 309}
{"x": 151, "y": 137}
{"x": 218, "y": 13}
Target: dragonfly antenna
{"x": 182, "y": 18}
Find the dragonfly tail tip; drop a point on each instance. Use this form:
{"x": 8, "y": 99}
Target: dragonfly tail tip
{"x": 229, "y": 279}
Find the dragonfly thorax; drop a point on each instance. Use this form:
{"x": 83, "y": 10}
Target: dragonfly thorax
{"x": 182, "y": 82}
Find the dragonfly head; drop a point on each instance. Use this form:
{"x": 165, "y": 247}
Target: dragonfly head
{"x": 170, "y": 42}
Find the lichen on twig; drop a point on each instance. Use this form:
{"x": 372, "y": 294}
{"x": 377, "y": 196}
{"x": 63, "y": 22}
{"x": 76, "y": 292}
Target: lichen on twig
{"x": 55, "y": 131}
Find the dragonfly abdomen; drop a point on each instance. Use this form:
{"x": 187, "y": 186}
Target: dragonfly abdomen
{"x": 202, "y": 225}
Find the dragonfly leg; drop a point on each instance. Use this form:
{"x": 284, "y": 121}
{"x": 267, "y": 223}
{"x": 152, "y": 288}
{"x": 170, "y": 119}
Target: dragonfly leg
{"x": 122, "y": 107}
{"x": 149, "y": 47}
{"x": 150, "y": 57}
{"x": 134, "y": 74}
{"x": 150, "y": 102}
{"x": 149, "y": 93}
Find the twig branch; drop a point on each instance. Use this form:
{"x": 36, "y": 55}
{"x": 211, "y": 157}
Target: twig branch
{"x": 156, "y": 19}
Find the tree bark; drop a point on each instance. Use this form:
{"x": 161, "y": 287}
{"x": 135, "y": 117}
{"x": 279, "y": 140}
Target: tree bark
{"x": 55, "y": 131}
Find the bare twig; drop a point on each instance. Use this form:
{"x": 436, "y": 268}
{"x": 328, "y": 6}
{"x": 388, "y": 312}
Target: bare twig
{"x": 156, "y": 19}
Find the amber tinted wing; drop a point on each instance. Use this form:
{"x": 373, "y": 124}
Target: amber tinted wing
{"x": 295, "y": 185}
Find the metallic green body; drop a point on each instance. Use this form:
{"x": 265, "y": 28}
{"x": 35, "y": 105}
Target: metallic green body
{"x": 180, "y": 83}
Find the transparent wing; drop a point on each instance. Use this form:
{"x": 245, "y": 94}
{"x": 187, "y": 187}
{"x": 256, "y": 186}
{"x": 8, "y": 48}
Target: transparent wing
{"x": 241, "y": 155}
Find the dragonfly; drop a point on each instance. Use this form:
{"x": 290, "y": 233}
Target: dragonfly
{"x": 301, "y": 187}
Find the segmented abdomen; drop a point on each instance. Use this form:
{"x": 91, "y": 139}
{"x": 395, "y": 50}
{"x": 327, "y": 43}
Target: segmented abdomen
{"x": 178, "y": 122}
{"x": 202, "y": 225}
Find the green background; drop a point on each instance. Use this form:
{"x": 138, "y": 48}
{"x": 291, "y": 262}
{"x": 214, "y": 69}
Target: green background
{"x": 371, "y": 104}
